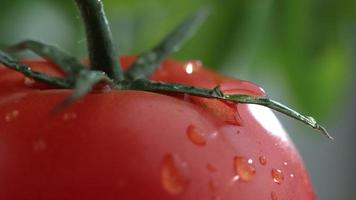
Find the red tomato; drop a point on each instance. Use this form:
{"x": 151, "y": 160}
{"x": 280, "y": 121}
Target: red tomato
{"x": 143, "y": 145}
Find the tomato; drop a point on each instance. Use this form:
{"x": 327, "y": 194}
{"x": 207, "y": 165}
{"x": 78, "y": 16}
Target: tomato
{"x": 143, "y": 145}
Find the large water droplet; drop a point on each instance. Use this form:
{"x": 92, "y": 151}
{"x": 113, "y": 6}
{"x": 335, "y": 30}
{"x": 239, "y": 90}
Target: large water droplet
{"x": 219, "y": 109}
{"x": 262, "y": 160}
{"x": 274, "y": 196}
{"x": 11, "y": 115}
{"x": 174, "y": 176}
{"x": 277, "y": 176}
{"x": 195, "y": 135}
{"x": 244, "y": 168}
{"x": 241, "y": 87}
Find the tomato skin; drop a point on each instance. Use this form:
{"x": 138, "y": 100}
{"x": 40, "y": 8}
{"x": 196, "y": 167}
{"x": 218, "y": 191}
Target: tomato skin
{"x": 142, "y": 145}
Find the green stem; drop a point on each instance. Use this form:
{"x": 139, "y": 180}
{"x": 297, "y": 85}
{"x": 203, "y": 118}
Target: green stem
{"x": 102, "y": 54}
{"x": 147, "y": 62}
{"x": 67, "y": 63}
{"x": 147, "y": 85}
{"x": 27, "y": 71}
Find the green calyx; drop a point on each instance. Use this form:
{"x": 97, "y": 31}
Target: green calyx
{"x": 104, "y": 65}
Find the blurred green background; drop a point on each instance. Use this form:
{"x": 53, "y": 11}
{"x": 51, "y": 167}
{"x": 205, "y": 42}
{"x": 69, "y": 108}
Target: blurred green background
{"x": 300, "y": 51}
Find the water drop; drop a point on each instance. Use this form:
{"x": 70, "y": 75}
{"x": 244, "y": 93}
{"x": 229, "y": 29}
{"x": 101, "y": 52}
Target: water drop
{"x": 195, "y": 135}
{"x": 212, "y": 186}
{"x": 274, "y": 196}
{"x": 29, "y": 81}
{"x": 277, "y": 176}
{"x": 174, "y": 178}
{"x": 285, "y": 163}
{"x": 39, "y": 145}
{"x": 219, "y": 109}
{"x": 244, "y": 168}
{"x": 263, "y": 160}
{"x": 11, "y": 115}
{"x": 211, "y": 168}
{"x": 69, "y": 116}
{"x": 291, "y": 175}
{"x": 189, "y": 68}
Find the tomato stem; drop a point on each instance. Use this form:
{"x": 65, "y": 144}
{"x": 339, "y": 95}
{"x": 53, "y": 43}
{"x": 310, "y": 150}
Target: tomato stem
{"x": 106, "y": 68}
{"x": 147, "y": 62}
{"x": 147, "y": 85}
{"x": 102, "y": 54}
{"x": 67, "y": 63}
{"x": 27, "y": 71}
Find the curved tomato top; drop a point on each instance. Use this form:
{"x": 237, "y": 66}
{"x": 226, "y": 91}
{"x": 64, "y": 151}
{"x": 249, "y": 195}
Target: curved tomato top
{"x": 142, "y": 145}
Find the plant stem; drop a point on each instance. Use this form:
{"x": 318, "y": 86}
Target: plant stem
{"x": 102, "y": 54}
{"x": 67, "y": 63}
{"x": 27, "y": 71}
{"x": 147, "y": 85}
{"x": 147, "y": 62}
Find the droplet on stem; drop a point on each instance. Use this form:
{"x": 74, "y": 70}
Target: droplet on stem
{"x": 174, "y": 178}
{"x": 244, "y": 168}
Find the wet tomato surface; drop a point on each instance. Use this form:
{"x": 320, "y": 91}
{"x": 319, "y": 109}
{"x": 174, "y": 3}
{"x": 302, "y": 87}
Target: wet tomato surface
{"x": 142, "y": 145}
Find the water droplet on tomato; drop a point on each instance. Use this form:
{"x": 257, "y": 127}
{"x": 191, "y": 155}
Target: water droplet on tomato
{"x": 39, "y": 145}
{"x": 244, "y": 168}
{"x": 277, "y": 176}
{"x": 174, "y": 178}
{"x": 29, "y": 81}
{"x": 11, "y": 115}
{"x": 189, "y": 68}
{"x": 195, "y": 136}
{"x": 285, "y": 163}
{"x": 274, "y": 196}
{"x": 212, "y": 186}
{"x": 211, "y": 168}
{"x": 291, "y": 175}
{"x": 216, "y": 198}
{"x": 262, "y": 160}
{"x": 219, "y": 109}
{"x": 69, "y": 116}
